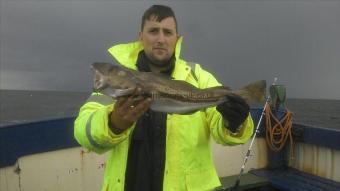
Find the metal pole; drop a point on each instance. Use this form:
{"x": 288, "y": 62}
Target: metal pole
{"x": 237, "y": 183}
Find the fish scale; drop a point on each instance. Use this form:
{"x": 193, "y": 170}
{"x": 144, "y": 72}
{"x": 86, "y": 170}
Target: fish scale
{"x": 169, "y": 96}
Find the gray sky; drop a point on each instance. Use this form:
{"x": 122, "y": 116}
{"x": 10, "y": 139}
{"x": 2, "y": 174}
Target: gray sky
{"x": 49, "y": 45}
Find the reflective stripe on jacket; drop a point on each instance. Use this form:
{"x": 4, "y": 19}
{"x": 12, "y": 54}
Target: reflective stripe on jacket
{"x": 189, "y": 163}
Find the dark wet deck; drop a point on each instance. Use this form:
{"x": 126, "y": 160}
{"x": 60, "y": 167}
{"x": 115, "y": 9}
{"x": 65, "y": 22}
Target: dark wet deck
{"x": 18, "y": 106}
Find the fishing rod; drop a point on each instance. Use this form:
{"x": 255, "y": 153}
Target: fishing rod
{"x": 237, "y": 183}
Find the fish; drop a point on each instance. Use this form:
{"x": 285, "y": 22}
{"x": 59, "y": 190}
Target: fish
{"x": 168, "y": 95}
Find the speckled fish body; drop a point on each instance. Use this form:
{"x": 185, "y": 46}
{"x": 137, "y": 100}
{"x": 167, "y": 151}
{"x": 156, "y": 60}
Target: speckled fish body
{"x": 170, "y": 96}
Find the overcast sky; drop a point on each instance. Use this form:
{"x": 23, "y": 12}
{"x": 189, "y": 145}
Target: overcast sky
{"x": 49, "y": 45}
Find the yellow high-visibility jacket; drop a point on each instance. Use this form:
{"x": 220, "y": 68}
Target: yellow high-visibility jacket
{"x": 188, "y": 163}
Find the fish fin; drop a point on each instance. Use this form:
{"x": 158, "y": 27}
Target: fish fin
{"x": 219, "y": 90}
{"x": 253, "y": 92}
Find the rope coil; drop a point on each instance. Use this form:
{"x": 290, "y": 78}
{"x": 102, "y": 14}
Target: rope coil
{"x": 278, "y": 131}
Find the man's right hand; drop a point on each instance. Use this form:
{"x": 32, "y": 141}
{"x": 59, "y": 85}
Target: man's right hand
{"x": 126, "y": 111}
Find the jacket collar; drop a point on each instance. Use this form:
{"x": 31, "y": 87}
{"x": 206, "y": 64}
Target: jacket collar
{"x": 127, "y": 55}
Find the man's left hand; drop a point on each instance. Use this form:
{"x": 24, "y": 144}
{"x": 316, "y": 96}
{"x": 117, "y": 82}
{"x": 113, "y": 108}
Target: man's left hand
{"x": 235, "y": 110}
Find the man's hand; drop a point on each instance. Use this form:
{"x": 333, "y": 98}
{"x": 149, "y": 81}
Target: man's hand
{"x": 235, "y": 110}
{"x": 126, "y": 111}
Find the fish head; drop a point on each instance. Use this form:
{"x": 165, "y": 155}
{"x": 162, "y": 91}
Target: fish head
{"x": 112, "y": 78}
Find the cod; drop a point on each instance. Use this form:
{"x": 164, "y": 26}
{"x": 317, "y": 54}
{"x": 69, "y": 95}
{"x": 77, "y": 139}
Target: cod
{"x": 169, "y": 96}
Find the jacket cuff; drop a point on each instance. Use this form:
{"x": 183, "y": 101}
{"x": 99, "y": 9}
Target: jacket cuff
{"x": 226, "y": 125}
{"x": 244, "y": 134}
{"x": 100, "y": 131}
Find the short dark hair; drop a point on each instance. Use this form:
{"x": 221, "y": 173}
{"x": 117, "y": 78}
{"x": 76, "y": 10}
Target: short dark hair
{"x": 159, "y": 12}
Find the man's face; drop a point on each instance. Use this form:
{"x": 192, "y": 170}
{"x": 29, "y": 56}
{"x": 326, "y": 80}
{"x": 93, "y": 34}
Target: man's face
{"x": 159, "y": 39}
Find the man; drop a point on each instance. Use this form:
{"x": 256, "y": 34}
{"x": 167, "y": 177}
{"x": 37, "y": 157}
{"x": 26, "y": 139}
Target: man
{"x": 153, "y": 151}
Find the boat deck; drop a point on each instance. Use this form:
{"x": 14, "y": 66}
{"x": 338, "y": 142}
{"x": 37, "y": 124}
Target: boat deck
{"x": 24, "y": 116}
{"x": 290, "y": 179}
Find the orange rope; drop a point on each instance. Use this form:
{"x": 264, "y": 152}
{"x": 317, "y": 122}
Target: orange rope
{"x": 278, "y": 132}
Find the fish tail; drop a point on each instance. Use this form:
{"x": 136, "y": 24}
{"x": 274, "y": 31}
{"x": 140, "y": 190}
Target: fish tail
{"x": 254, "y": 92}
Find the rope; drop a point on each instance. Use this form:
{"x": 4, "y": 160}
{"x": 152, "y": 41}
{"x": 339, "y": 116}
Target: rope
{"x": 278, "y": 131}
